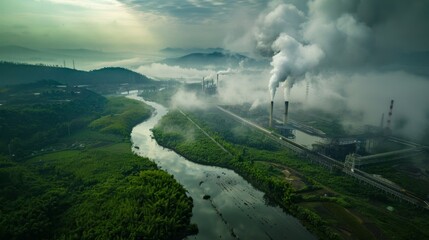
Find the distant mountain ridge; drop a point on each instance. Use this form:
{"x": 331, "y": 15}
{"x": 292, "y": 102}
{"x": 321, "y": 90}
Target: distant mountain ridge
{"x": 184, "y": 51}
{"x": 15, "y": 73}
{"x": 53, "y": 56}
{"x": 213, "y": 60}
{"x": 14, "y": 49}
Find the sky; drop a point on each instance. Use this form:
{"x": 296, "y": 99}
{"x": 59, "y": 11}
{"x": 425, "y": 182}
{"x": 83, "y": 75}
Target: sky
{"x": 155, "y": 24}
{"x": 104, "y": 24}
{"x": 117, "y": 25}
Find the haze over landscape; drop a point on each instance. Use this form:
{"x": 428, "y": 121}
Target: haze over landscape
{"x": 333, "y": 65}
{"x": 359, "y": 54}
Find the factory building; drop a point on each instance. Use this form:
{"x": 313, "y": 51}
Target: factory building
{"x": 208, "y": 87}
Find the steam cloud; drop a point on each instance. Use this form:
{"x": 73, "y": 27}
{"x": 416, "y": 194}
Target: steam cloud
{"x": 298, "y": 42}
{"x": 335, "y": 44}
{"x": 292, "y": 61}
{"x": 225, "y": 72}
{"x": 277, "y": 34}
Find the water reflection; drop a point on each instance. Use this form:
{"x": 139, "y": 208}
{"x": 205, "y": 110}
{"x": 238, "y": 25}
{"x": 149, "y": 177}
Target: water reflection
{"x": 306, "y": 140}
{"x": 235, "y": 209}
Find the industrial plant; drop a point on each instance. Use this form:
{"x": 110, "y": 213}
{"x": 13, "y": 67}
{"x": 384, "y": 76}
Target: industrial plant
{"x": 348, "y": 153}
{"x": 208, "y": 86}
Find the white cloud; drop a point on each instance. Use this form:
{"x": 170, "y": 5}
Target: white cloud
{"x": 367, "y": 95}
{"x": 163, "y": 71}
{"x": 89, "y": 4}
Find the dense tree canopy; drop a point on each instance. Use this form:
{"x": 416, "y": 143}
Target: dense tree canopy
{"x": 85, "y": 183}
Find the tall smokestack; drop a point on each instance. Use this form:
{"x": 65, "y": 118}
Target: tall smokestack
{"x": 286, "y": 91}
{"x": 217, "y": 79}
{"x": 286, "y": 112}
{"x": 270, "y": 124}
{"x": 202, "y": 85}
{"x": 389, "y": 117}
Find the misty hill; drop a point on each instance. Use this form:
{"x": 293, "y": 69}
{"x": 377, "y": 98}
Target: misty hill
{"x": 14, "y": 53}
{"x": 212, "y": 60}
{"x": 86, "y": 53}
{"x": 12, "y": 74}
{"x": 13, "y": 49}
{"x": 184, "y": 51}
{"x": 19, "y": 53}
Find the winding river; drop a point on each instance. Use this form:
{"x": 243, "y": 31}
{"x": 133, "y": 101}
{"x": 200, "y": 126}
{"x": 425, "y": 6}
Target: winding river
{"x": 235, "y": 210}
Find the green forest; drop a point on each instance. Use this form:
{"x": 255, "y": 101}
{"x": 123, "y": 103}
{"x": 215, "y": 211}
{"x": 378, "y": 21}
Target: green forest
{"x": 328, "y": 203}
{"x": 67, "y": 170}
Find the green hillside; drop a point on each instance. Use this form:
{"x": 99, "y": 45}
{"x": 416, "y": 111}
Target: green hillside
{"x": 17, "y": 73}
{"x": 67, "y": 171}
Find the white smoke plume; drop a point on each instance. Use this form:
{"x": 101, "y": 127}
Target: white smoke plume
{"x": 357, "y": 54}
{"x": 277, "y": 19}
{"x": 188, "y": 100}
{"x": 286, "y": 91}
{"x": 163, "y": 71}
{"x": 224, "y": 72}
{"x": 278, "y": 34}
{"x": 345, "y": 40}
{"x": 209, "y": 77}
{"x": 298, "y": 41}
{"x": 292, "y": 61}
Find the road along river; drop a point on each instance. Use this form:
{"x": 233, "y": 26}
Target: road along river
{"x": 235, "y": 209}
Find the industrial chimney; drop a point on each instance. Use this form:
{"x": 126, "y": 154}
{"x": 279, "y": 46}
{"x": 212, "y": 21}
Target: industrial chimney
{"x": 286, "y": 98}
{"x": 270, "y": 124}
{"x": 389, "y": 117}
{"x": 286, "y": 112}
{"x": 202, "y": 85}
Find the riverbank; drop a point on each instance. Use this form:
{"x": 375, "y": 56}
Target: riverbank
{"x": 326, "y": 203}
{"x": 176, "y": 132}
{"x": 94, "y": 187}
{"x": 235, "y": 209}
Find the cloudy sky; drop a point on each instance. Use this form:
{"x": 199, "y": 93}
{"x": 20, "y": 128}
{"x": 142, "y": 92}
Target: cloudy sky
{"x": 149, "y": 24}
{"x": 118, "y": 24}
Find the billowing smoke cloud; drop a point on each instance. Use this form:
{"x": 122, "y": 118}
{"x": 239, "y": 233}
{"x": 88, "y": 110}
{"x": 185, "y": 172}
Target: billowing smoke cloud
{"x": 335, "y": 28}
{"x": 298, "y": 42}
{"x": 292, "y": 61}
{"x": 344, "y": 48}
{"x": 363, "y": 97}
{"x": 278, "y": 34}
{"x": 349, "y": 32}
{"x": 277, "y": 19}
{"x": 163, "y": 71}
{"x": 235, "y": 88}
{"x": 188, "y": 100}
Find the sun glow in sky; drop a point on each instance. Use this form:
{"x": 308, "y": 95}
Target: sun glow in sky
{"x": 105, "y": 24}
{"x": 120, "y": 24}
